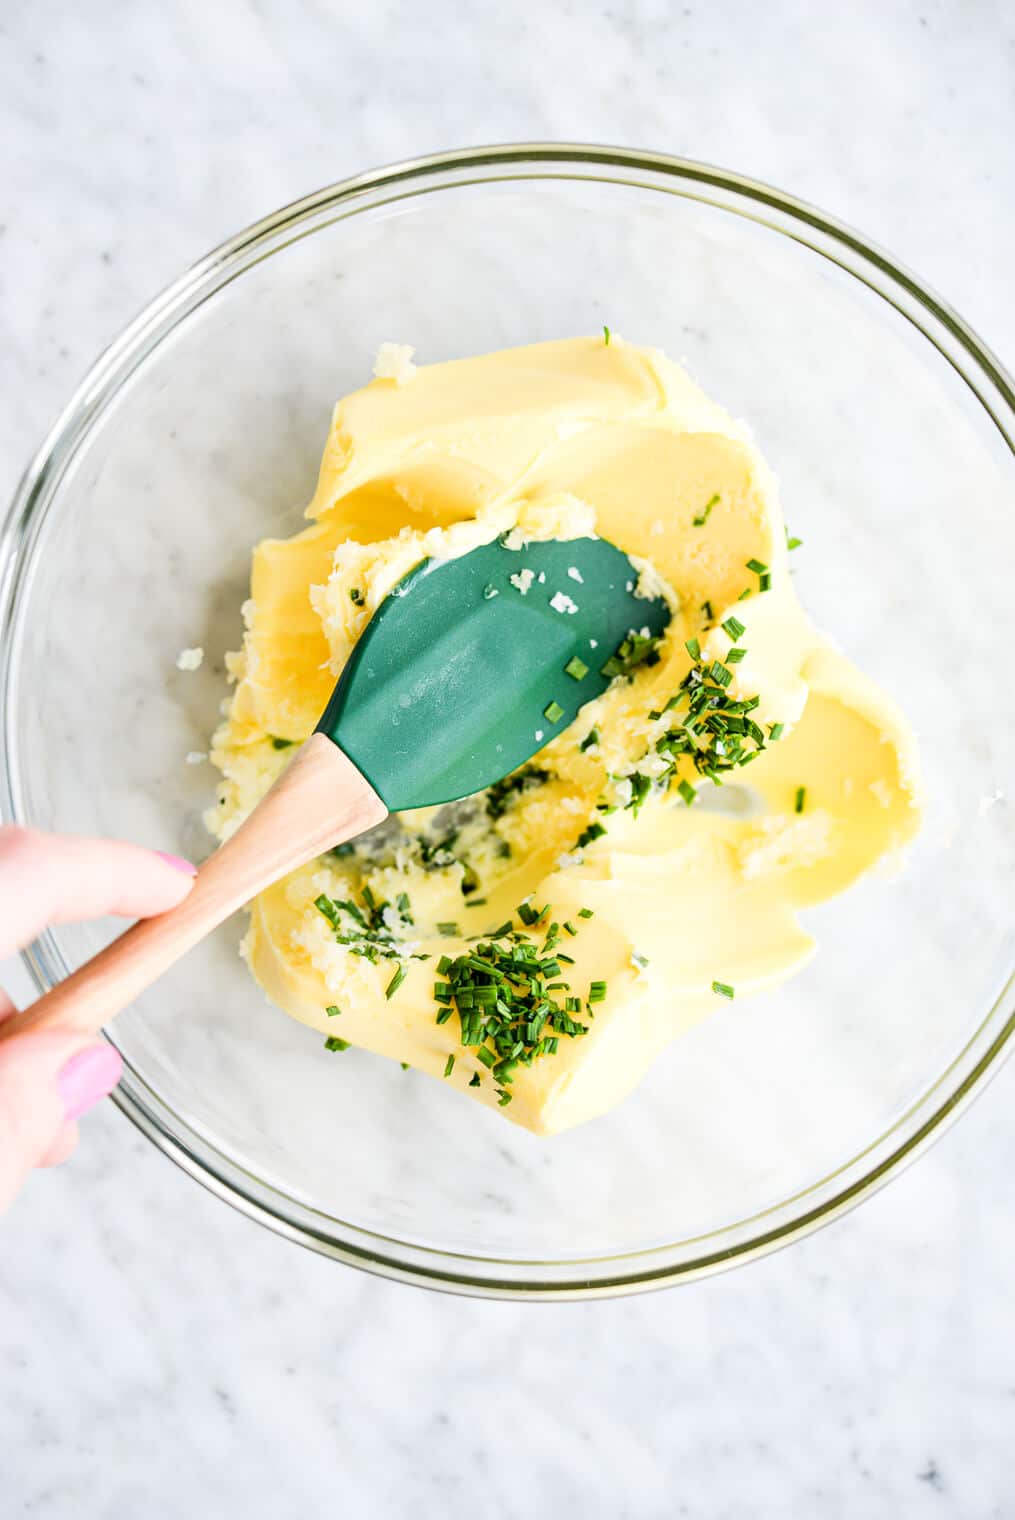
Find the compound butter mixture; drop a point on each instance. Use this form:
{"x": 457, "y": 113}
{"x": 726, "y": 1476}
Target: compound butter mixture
{"x": 538, "y": 945}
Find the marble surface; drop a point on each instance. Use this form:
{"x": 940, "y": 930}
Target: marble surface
{"x": 160, "y": 1354}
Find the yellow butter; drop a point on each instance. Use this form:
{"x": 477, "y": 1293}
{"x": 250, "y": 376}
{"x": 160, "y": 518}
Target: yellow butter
{"x": 561, "y": 440}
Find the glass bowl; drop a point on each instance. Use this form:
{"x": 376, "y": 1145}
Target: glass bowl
{"x": 200, "y": 431}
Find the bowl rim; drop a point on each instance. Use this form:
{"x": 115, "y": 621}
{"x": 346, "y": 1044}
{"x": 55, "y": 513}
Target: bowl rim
{"x": 599, "y": 1276}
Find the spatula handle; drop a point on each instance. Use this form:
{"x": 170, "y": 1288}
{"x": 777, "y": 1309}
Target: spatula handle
{"x": 319, "y": 800}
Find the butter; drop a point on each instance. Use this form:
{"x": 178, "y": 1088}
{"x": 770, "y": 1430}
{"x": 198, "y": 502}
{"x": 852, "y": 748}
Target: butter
{"x": 560, "y": 441}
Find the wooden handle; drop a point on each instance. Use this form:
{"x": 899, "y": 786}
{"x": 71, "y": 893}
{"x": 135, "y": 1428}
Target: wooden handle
{"x": 319, "y": 800}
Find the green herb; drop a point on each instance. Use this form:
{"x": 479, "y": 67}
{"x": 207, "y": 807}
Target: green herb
{"x": 505, "y": 990}
{"x": 334, "y": 1043}
{"x": 798, "y": 801}
{"x": 776, "y": 731}
{"x": 402, "y": 904}
{"x": 792, "y": 543}
{"x": 606, "y": 337}
{"x": 632, "y": 653}
{"x": 585, "y": 913}
{"x": 597, "y": 992}
{"x": 404, "y": 1065}
{"x": 449, "y": 1065}
{"x": 333, "y": 1010}
{"x": 553, "y": 712}
{"x": 475, "y": 1081}
{"x": 365, "y": 928}
{"x": 722, "y": 989}
{"x": 356, "y": 596}
{"x": 277, "y": 743}
{"x": 449, "y": 931}
{"x": 576, "y": 668}
{"x": 470, "y": 880}
{"x": 693, "y": 648}
{"x": 503, "y": 794}
{"x": 396, "y": 981}
{"x": 639, "y": 960}
{"x": 569, "y": 926}
{"x": 591, "y": 738}
{"x": 702, "y": 519}
{"x": 762, "y": 572}
{"x": 735, "y": 656}
{"x": 706, "y": 608}
{"x": 734, "y": 627}
{"x": 587, "y": 835}
{"x": 503, "y": 1097}
{"x": 477, "y": 902}
{"x": 687, "y": 791}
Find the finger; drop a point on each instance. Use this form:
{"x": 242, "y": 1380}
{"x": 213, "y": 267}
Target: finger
{"x": 62, "y": 1147}
{"x": 54, "y": 878}
{"x": 48, "y": 1078}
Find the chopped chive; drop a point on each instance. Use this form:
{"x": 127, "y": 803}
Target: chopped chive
{"x": 606, "y": 336}
{"x": 706, "y": 608}
{"x": 744, "y": 594}
{"x": 449, "y": 1065}
{"x": 585, "y": 913}
{"x": 734, "y": 656}
{"x": 356, "y": 596}
{"x": 639, "y": 960}
{"x": 277, "y": 743}
{"x": 693, "y": 648}
{"x": 448, "y": 930}
{"x": 402, "y": 904}
{"x": 503, "y": 1097}
{"x": 576, "y": 668}
{"x": 476, "y": 902}
{"x": 734, "y": 627}
{"x": 396, "y": 981}
{"x": 587, "y": 835}
{"x": 334, "y": 1043}
{"x": 404, "y": 1065}
{"x": 569, "y": 926}
{"x": 686, "y": 790}
{"x": 702, "y": 518}
{"x": 597, "y": 992}
{"x": 333, "y": 1010}
{"x": 722, "y": 989}
{"x": 798, "y": 800}
{"x": 720, "y": 674}
{"x": 591, "y": 738}
{"x": 792, "y": 543}
{"x": 475, "y": 1080}
{"x": 552, "y": 712}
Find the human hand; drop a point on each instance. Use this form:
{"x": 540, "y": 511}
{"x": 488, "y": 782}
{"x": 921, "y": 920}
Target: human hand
{"x": 49, "y": 1077}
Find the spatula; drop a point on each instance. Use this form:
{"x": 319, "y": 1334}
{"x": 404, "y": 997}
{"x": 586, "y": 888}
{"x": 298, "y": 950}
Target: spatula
{"x": 465, "y": 670}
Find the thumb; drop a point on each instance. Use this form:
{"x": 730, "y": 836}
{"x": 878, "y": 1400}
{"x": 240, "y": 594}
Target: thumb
{"x": 48, "y": 1077}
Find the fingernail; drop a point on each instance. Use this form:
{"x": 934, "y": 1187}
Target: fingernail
{"x": 177, "y": 862}
{"x": 88, "y": 1077}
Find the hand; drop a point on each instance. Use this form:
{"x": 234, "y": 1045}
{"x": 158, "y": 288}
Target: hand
{"x": 49, "y": 1077}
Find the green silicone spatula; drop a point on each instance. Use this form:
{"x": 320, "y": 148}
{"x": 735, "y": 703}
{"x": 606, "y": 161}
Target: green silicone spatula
{"x": 468, "y": 668}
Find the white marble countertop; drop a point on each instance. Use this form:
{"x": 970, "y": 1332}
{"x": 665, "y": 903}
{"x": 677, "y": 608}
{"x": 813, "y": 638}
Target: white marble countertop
{"x": 163, "y": 1356}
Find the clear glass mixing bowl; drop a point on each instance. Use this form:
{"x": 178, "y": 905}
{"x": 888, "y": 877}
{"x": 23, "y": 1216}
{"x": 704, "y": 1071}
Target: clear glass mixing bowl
{"x": 200, "y": 431}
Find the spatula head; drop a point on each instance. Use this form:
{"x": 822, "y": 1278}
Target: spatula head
{"x": 459, "y": 675}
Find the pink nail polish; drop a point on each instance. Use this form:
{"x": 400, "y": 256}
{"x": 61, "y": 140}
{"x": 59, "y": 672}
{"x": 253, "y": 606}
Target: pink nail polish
{"x": 88, "y": 1077}
{"x": 177, "y": 862}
